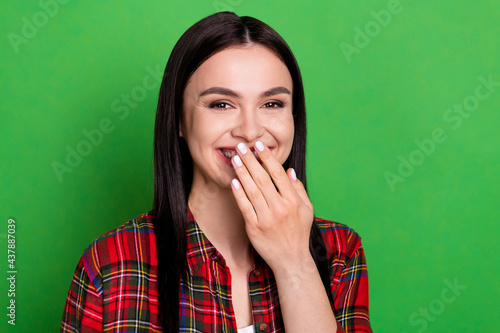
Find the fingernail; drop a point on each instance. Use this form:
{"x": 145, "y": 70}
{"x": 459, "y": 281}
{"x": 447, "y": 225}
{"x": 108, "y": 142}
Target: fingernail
{"x": 259, "y": 145}
{"x": 237, "y": 160}
{"x": 294, "y": 175}
{"x": 242, "y": 148}
{"x": 236, "y": 184}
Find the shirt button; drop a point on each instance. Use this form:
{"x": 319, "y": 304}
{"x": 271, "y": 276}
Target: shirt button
{"x": 263, "y": 327}
{"x": 256, "y": 273}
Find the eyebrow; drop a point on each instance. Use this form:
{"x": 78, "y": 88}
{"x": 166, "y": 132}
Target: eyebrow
{"x": 231, "y": 93}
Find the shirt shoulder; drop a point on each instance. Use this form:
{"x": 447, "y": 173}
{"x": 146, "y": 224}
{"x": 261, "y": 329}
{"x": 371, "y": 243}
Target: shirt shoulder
{"x": 129, "y": 244}
{"x": 340, "y": 240}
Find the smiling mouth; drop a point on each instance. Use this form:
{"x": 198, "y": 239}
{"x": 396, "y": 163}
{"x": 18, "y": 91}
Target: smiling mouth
{"x": 230, "y": 153}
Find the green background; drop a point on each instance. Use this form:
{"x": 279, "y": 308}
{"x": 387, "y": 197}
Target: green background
{"x": 435, "y": 226}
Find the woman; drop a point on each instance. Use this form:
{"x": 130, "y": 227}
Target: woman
{"x": 232, "y": 244}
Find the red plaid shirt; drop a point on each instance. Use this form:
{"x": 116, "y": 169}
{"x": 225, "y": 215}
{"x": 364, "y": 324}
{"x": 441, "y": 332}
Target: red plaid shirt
{"x": 114, "y": 288}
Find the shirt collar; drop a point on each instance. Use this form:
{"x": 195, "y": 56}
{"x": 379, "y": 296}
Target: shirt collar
{"x": 201, "y": 250}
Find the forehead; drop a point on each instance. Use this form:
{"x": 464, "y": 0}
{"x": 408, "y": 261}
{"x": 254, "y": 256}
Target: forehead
{"x": 246, "y": 68}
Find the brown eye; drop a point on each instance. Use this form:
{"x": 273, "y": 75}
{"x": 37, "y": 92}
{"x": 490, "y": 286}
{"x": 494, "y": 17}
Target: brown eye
{"x": 273, "y": 105}
{"x": 220, "y": 105}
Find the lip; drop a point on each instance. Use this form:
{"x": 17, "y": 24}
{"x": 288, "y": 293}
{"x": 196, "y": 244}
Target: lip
{"x": 224, "y": 158}
{"x": 227, "y": 160}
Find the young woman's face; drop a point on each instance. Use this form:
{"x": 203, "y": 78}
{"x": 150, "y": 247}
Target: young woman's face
{"x": 240, "y": 94}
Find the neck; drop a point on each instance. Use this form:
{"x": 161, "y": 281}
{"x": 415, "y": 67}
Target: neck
{"x": 216, "y": 212}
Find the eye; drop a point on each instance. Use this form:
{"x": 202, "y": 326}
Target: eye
{"x": 273, "y": 105}
{"x": 220, "y": 105}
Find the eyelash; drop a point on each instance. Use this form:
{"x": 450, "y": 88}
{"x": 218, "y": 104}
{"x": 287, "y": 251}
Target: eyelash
{"x": 217, "y": 105}
{"x": 276, "y": 103}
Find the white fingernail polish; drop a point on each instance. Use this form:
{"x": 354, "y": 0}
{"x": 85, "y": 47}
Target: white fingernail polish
{"x": 294, "y": 175}
{"x": 237, "y": 160}
{"x": 259, "y": 145}
{"x": 236, "y": 184}
{"x": 242, "y": 148}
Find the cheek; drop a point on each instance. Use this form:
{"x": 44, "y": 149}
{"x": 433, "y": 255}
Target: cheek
{"x": 282, "y": 128}
{"x": 206, "y": 130}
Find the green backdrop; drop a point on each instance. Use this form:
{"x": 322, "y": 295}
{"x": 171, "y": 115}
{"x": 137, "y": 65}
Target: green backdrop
{"x": 402, "y": 144}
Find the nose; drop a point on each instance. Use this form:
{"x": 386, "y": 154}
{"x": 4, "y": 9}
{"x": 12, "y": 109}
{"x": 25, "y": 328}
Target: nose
{"x": 248, "y": 126}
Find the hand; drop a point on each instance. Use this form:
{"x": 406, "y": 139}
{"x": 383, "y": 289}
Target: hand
{"x": 277, "y": 211}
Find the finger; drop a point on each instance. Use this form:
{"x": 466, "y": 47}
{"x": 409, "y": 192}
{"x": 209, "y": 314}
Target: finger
{"x": 275, "y": 170}
{"x": 257, "y": 173}
{"x": 243, "y": 203}
{"x": 250, "y": 188}
{"x": 299, "y": 187}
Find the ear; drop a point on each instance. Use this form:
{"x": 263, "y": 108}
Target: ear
{"x": 181, "y": 135}
{"x": 182, "y": 123}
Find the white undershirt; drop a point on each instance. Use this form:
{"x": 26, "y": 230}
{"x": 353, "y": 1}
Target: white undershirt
{"x": 248, "y": 329}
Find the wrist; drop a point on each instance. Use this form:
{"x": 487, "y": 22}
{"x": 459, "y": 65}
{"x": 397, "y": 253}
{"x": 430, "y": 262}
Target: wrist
{"x": 296, "y": 266}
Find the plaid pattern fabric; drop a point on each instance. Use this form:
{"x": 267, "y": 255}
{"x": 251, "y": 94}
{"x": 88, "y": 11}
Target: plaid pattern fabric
{"x": 114, "y": 288}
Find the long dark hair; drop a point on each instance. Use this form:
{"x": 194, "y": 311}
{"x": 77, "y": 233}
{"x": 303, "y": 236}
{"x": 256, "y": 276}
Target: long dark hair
{"x": 173, "y": 165}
